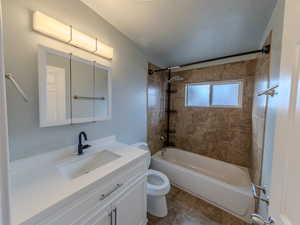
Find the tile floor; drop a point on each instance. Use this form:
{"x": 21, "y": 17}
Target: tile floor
{"x": 185, "y": 209}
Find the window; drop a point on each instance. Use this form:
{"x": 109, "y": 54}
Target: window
{"x": 214, "y": 94}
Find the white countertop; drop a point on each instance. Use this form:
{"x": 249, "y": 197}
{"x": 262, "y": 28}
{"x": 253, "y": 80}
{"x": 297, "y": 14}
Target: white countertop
{"x": 37, "y": 184}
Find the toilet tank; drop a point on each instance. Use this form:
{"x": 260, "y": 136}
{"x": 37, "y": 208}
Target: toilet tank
{"x": 144, "y": 146}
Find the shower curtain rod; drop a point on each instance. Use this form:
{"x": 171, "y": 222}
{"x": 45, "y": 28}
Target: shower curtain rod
{"x": 264, "y": 50}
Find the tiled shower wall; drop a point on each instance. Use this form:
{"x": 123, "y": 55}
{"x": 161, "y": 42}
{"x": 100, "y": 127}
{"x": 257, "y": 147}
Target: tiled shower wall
{"x": 219, "y": 133}
{"x": 259, "y": 114}
{"x": 227, "y": 134}
{"x": 157, "y": 85}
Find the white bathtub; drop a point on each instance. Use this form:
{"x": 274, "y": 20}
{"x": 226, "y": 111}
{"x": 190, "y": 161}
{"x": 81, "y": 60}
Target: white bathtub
{"x": 224, "y": 185}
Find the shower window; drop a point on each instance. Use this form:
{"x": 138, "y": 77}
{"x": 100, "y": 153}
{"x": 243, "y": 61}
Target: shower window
{"x": 214, "y": 94}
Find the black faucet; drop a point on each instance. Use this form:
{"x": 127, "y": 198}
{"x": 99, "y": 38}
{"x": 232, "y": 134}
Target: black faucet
{"x": 80, "y": 145}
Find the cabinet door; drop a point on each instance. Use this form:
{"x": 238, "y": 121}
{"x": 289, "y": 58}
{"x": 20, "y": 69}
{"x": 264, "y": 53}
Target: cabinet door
{"x": 101, "y": 217}
{"x": 102, "y": 93}
{"x": 54, "y": 87}
{"x": 131, "y": 208}
{"x": 82, "y": 80}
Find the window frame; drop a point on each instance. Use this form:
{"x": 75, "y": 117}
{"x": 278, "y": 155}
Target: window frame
{"x": 211, "y": 84}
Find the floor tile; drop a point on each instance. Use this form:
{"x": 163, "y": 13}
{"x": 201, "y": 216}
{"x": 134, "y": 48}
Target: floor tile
{"x": 185, "y": 209}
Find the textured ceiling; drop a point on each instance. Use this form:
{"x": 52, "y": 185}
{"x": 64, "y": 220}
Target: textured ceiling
{"x": 182, "y": 31}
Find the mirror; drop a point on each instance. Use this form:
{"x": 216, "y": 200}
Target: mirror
{"x": 102, "y": 92}
{"x": 82, "y": 90}
{"x": 54, "y": 88}
{"x": 71, "y": 89}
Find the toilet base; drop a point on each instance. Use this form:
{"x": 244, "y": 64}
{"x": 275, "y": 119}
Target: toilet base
{"x": 157, "y": 205}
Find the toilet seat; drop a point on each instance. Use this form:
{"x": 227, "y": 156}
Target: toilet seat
{"x": 161, "y": 186}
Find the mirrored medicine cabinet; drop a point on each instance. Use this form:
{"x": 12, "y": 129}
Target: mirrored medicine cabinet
{"x": 72, "y": 90}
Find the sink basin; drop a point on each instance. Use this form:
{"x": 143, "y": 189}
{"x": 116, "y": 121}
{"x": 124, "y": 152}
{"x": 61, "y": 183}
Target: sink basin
{"x": 86, "y": 163}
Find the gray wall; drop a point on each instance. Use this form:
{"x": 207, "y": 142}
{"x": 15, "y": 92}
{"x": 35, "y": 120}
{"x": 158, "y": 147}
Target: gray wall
{"x": 129, "y": 72}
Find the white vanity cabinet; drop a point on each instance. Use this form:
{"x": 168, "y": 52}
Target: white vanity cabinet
{"x": 122, "y": 205}
{"x": 117, "y": 199}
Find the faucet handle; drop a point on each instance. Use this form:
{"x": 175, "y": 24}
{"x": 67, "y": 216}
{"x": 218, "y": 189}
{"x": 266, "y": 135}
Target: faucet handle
{"x": 86, "y": 146}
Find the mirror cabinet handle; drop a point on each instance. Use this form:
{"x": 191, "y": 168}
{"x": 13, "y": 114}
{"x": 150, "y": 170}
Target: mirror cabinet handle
{"x": 87, "y": 98}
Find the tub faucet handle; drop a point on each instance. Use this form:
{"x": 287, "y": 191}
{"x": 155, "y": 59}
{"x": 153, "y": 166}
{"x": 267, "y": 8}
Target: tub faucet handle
{"x": 163, "y": 151}
{"x": 256, "y": 195}
{"x": 259, "y": 220}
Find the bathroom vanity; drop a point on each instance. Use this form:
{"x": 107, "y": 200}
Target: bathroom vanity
{"x": 104, "y": 186}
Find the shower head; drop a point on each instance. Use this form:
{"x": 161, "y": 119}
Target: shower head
{"x": 175, "y": 78}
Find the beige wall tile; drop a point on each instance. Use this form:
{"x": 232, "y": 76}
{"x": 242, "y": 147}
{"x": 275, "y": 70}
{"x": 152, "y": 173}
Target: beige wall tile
{"x": 156, "y": 109}
{"x": 220, "y": 133}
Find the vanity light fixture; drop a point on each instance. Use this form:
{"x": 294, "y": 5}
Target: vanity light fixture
{"x": 65, "y": 33}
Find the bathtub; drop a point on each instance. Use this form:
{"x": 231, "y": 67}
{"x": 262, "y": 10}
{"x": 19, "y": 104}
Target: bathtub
{"x": 222, "y": 184}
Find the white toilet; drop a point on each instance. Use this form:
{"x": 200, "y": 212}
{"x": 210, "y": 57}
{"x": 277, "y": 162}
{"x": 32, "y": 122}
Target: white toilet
{"x": 158, "y": 185}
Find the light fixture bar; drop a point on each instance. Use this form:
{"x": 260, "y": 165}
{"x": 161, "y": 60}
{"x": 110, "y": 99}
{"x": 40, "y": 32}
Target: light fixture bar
{"x": 66, "y": 33}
